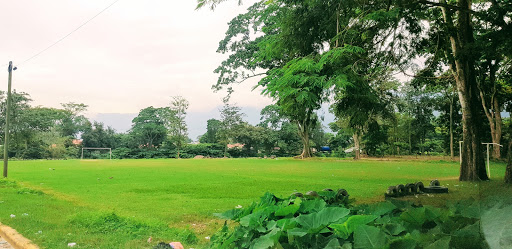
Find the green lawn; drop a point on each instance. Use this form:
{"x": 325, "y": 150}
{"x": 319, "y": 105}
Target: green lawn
{"x": 120, "y": 203}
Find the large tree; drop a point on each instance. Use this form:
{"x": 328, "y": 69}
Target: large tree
{"x": 177, "y": 125}
{"x": 148, "y": 128}
{"x": 231, "y": 120}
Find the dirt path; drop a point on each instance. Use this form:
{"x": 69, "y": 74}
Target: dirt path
{"x": 4, "y": 244}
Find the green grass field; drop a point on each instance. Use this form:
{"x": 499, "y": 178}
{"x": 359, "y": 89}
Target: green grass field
{"x": 120, "y": 203}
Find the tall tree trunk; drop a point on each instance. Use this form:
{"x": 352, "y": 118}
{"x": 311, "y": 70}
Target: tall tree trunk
{"x": 498, "y": 133}
{"x": 508, "y": 170}
{"x": 306, "y": 150}
{"x": 472, "y": 165}
{"x": 304, "y": 135}
{"x": 357, "y": 144}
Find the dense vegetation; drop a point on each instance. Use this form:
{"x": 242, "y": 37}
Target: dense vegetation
{"x": 327, "y": 221}
{"x": 50, "y": 133}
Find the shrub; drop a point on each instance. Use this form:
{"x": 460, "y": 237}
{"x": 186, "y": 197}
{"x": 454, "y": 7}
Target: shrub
{"x": 325, "y": 222}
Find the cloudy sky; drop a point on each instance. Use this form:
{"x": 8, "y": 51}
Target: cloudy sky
{"x": 134, "y": 55}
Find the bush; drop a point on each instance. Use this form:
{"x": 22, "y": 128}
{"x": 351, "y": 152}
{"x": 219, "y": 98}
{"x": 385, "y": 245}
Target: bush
{"x": 326, "y": 222}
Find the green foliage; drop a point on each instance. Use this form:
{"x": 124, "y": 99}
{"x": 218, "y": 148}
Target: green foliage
{"x": 148, "y": 127}
{"x": 177, "y": 126}
{"x": 296, "y": 222}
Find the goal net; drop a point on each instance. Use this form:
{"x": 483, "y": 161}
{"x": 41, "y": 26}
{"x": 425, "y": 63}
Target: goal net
{"x": 96, "y": 153}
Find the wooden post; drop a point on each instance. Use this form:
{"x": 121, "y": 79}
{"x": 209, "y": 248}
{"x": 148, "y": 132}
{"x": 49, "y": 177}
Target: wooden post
{"x": 488, "y": 168}
{"x": 7, "y": 109}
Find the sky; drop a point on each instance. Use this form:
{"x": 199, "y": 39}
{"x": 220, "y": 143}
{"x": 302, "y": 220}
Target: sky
{"x": 134, "y": 55}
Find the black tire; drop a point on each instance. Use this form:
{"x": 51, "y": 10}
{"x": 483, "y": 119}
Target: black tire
{"x": 420, "y": 187}
{"x": 342, "y": 192}
{"x": 402, "y": 191}
{"x": 435, "y": 183}
{"x": 412, "y": 188}
{"x": 436, "y": 189}
{"x": 341, "y": 195}
{"x": 392, "y": 191}
{"x": 312, "y": 194}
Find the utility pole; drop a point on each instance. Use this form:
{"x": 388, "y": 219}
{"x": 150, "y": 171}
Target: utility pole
{"x": 7, "y": 109}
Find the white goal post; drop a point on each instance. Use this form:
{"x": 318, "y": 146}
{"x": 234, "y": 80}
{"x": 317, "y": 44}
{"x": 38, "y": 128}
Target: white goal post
{"x": 90, "y": 148}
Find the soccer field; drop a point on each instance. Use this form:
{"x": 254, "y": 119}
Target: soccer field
{"x": 120, "y": 203}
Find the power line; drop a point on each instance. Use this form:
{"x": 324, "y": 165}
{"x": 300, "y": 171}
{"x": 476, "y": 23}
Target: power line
{"x": 70, "y": 33}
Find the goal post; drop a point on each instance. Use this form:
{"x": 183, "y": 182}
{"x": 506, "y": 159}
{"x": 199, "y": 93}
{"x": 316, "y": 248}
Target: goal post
{"x": 91, "y": 148}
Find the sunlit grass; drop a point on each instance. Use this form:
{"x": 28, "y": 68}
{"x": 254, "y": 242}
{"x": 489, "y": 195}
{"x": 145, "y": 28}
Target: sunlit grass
{"x": 166, "y": 199}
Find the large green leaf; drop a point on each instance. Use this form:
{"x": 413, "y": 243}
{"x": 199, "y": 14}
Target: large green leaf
{"x": 267, "y": 241}
{"x": 315, "y": 222}
{"x": 468, "y": 237}
{"x": 443, "y": 243}
{"x": 405, "y": 242}
{"x": 299, "y": 232}
{"x": 415, "y": 216}
{"x": 382, "y": 208}
{"x": 366, "y": 237}
{"x": 393, "y": 228}
{"x": 312, "y": 206}
{"x": 333, "y": 244}
{"x": 230, "y": 214}
{"x": 288, "y": 210}
{"x": 345, "y": 229}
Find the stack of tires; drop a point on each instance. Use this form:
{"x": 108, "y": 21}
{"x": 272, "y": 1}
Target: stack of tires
{"x": 415, "y": 188}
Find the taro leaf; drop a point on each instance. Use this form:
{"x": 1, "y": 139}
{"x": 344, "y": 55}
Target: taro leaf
{"x": 467, "y": 238}
{"x": 443, "y": 243}
{"x": 256, "y": 219}
{"x": 382, "y": 208}
{"x": 315, "y": 222}
{"x": 285, "y": 224}
{"x": 230, "y": 214}
{"x": 369, "y": 237}
{"x": 267, "y": 241}
{"x": 415, "y": 216}
{"x": 405, "y": 242}
{"x": 497, "y": 226}
{"x": 432, "y": 213}
{"x": 288, "y": 210}
{"x": 312, "y": 206}
{"x": 334, "y": 243}
{"x": 351, "y": 224}
{"x": 472, "y": 211}
{"x": 347, "y": 245}
{"x": 299, "y": 232}
{"x": 271, "y": 225}
{"x": 383, "y": 220}
{"x": 393, "y": 228}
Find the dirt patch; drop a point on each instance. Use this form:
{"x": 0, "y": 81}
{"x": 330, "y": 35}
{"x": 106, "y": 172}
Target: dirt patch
{"x": 4, "y": 244}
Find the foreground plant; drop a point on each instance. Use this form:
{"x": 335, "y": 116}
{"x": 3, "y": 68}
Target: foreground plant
{"x": 328, "y": 221}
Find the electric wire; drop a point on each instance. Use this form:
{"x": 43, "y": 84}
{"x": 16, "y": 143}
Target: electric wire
{"x": 70, "y": 33}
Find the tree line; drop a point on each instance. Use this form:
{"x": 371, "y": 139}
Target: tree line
{"x": 422, "y": 127}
